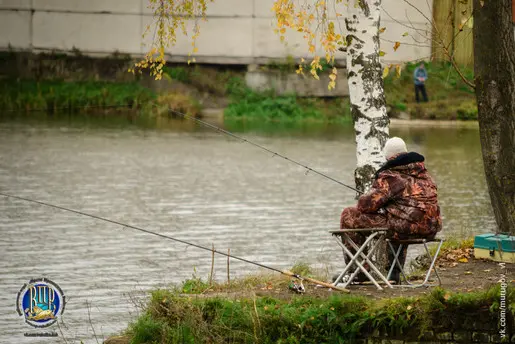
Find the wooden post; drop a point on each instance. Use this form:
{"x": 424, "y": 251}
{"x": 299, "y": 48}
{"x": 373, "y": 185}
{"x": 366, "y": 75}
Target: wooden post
{"x": 228, "y": 273}
{"x": 212, "y": 264}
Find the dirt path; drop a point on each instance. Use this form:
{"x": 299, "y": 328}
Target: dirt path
{"x": 474, "y": 275}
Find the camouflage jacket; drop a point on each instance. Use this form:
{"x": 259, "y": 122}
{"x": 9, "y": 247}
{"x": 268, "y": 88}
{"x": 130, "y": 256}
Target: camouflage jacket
{"x": 408, "y": 194}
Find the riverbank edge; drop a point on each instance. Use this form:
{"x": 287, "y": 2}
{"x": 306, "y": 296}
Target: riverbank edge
{"x": 438, "y": 317}
{"x": 198, "y": 89}
{"x": 218, "y": 115}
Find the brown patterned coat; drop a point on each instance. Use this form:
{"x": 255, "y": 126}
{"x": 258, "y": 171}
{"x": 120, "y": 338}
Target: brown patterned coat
{"x": 407, "y": 196}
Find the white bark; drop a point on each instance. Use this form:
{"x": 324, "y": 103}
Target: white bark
{"x": 368, "y": 105}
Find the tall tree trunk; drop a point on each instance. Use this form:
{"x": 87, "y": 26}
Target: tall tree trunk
{"x": 367, "y": 99}
{"x": 494, "y": 68}
{"x": 368, "y": 104}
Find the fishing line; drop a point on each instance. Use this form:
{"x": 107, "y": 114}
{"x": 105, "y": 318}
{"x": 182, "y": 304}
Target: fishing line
{"x": 288, "y": 273}
{"x": 225, "y": 132}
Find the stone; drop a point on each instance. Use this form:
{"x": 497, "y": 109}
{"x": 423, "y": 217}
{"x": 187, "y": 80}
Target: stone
{"x": 462, "y": 337}
{"x": 480, "y": 337}
{"x": 444, "y": 336}
{"x": 427, "y": 336}
{"x": 495, "y": 338}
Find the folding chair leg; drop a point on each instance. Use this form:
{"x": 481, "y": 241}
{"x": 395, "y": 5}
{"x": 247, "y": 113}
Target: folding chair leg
{"x": 396, "y": 262}
{"x": 431, "y": 267}
{"x": 433, "y": 261}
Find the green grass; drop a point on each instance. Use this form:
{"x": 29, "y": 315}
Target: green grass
{"x": 449, "y": 96}
{"x": 170, "y": 318}
{"x": 54, "y": 96}
{"x": 246, "y": 103}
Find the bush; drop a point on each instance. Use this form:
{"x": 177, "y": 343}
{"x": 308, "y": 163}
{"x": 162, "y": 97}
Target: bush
{"x": 179, "y": 102}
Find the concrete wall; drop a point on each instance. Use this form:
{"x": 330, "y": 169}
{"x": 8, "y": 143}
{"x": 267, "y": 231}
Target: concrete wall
{"x": 237, "y": 31}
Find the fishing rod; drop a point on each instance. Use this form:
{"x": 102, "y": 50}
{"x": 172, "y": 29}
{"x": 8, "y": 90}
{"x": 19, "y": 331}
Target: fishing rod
{"x": 225, "y": 132}
{"x": 284, "y": 272}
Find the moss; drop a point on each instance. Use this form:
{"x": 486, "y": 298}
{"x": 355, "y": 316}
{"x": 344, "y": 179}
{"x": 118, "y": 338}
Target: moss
{"x": 170, "y": 318}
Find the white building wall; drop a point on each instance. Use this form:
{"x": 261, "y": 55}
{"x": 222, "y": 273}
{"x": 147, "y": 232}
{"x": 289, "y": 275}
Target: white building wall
{"x": 237, "y": 31}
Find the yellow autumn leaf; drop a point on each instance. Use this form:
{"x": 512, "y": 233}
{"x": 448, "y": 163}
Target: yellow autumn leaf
{"x": 398, "y": 70}
{"x": 381, "y": 30}
{"x": 405, "y": 34}
{"x": 409, "y": 307}
{"x": 381, "y": 53}
{"x": 332, "y": 77}
{"x": 311, "y": 48}
{"x": 463, "y": 260}
{"x": 396, "y": 46}
{"x": 447, "y": 296}
{"x": 386, "y": 71}
{"x": 283, "y": 30}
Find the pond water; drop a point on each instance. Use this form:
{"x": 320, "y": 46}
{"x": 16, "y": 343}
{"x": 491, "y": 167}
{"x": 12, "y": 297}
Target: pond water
{"x": 179, "y": 179}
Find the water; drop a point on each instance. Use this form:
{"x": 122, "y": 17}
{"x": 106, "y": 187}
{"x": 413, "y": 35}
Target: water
{"x": 194, "y": 184}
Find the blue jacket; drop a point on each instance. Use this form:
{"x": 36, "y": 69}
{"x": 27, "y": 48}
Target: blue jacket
{"x": 419, "y": 73}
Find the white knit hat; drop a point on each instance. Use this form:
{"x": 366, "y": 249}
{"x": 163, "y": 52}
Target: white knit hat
{"x": 394, "y": 146}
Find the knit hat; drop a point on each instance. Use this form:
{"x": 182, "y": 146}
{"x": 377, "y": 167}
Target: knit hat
{"x": 394, "y": 146}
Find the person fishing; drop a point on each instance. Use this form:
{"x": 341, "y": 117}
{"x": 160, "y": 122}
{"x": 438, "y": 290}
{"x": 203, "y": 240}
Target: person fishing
{"x": 419, "y": 78}
{"x": 403, "y": 198}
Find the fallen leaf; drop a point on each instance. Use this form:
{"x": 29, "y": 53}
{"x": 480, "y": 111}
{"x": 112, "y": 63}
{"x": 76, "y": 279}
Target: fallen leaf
{"x": 468, "y": 272}
{"x": 265, "y": 308}
{"x": 487, "y": 270}
{"x": 482, "y": 3}
{"x": 409, "y": 307}
{"x": 463, "y": 260}
{"x": 446, "y": 296}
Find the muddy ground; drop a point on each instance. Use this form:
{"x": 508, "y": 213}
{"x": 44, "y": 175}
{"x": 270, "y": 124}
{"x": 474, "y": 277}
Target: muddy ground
{"x": 470, "y": 276}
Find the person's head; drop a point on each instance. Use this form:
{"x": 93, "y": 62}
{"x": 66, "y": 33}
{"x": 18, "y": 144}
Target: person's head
{"x": 421, "y": 65}
{"x": 393, "y": 147}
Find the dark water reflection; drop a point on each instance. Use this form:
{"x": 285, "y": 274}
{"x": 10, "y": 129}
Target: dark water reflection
{"x": 176, "y": 178}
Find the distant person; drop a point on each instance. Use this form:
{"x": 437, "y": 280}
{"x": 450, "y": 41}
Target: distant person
{"x": 420, "y": 77}
{"x": 403, "y": 198}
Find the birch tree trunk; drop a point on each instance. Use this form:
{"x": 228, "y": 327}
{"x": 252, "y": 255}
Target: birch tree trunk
{"x": 367, "y": 99}
{"x": 494, "y": 69}
{"x": 368, "y": 104}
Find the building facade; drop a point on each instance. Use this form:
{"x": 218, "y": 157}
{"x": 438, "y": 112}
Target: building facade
{"x": 236, "y": 31}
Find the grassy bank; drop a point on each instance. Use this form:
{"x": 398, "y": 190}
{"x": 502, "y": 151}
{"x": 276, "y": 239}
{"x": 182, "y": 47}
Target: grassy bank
{"x": 172, "y": 318}
{"x": 449, "y": 97}
{"x": 191, "y": 88}
{"x": 51, "y": 96}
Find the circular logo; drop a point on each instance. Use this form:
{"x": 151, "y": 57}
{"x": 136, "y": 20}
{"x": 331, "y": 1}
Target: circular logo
{"x": 41, "y": 302}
